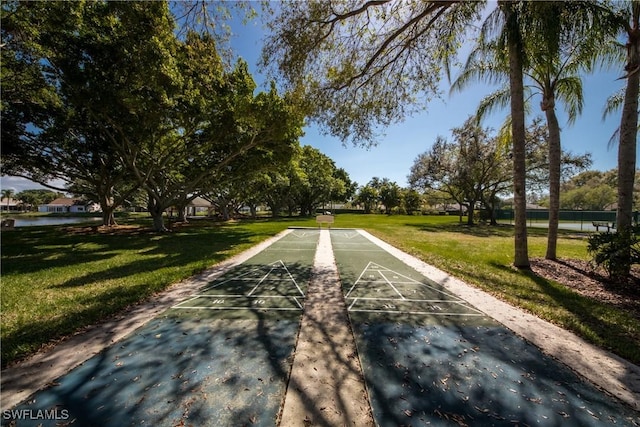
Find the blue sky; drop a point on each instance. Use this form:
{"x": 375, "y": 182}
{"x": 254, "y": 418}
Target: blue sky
{"x": 401, "y": 143}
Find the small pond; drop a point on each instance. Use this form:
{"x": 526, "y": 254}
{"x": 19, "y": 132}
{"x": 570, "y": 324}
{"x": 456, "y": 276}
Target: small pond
{"x": 47, "y": 220}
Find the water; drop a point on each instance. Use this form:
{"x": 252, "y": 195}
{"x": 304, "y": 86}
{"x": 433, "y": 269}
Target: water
{"x": 43, "y": 220}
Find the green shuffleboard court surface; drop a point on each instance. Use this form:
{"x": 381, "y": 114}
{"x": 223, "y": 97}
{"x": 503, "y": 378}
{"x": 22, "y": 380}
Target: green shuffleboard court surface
{"x": 430, "y": 358}
{"x": 378, "y": 286}
{"x": 272, "y": 284}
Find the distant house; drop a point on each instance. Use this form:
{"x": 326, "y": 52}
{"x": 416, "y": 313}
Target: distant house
{"x": 199, "y": 205}
{"x": 534, "y": 207}
{"x": 66, "y": 205}
{"x": 10, "y": 205}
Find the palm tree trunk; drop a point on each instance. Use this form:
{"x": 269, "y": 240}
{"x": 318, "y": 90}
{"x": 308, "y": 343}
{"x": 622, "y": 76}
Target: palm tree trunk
{"x": 628, "y": 135}
{"x": 521, "y": 256}
{"x": 548, "y": 105}
{"x": 628, "y": 139}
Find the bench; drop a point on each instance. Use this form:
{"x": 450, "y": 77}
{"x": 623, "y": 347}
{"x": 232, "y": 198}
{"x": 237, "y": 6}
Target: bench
{"x": 325, "y": 219}
{"x": 598, "y": 224}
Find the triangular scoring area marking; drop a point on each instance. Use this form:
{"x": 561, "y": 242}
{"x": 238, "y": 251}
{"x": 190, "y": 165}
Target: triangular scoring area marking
{"x": 302, "y": 234}
{"x": 351, "y": 234}
{"x": 276, "y": 272}
{"x": 379, "y": 282}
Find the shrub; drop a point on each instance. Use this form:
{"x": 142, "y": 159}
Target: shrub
{"x": 615, "y": 252}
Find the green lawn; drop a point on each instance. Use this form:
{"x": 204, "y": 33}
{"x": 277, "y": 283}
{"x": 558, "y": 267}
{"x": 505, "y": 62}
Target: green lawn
{"x": 55, "y": 282}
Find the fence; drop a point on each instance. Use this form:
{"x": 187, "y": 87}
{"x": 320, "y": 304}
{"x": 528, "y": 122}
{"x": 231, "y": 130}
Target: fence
{"x": 574, "y": 220}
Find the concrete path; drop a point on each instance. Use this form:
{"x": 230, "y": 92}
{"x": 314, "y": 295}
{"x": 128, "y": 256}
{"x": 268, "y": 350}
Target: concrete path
{"x": 326, "y": 387}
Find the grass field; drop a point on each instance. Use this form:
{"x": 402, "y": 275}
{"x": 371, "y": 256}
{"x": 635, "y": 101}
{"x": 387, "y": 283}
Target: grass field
{"x": 55, "y": 282}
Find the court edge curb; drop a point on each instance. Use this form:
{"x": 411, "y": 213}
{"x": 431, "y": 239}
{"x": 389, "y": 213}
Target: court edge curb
{"x": 609, "y": 372}
{"x": 18, "y": 382}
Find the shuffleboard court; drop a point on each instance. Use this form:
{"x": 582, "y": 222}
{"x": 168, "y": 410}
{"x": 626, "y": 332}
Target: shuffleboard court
{"x": 430, "y": 358}
{"x": 220, "y": 358}
{"x": 272, "y": 283}
{"x": 377, "y": 285}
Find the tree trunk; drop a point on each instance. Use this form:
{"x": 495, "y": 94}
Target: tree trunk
{"x": 182, "y": 214}
{"x": 548, "y": 106}
{"x": 225, "y": 212}
{"x": 628, "y": 135}
{"x": 521, "y": 255}
{"x": 156, "y": 210}
{"x": 108, "y": 207}
{"x": 275, "y": 209}
{"x": 108, "y": 219}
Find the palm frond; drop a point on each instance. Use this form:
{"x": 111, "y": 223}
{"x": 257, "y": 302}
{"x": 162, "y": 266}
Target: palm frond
{"x": 613, "y": 140}
{"x": 613, "y": 103}
{"x": 499, "y": 99}
{"x": 569, "y": 91}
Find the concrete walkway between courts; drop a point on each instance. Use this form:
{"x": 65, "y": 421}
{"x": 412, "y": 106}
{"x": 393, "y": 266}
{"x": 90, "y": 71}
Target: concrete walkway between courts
{"x": 326, "y": 386}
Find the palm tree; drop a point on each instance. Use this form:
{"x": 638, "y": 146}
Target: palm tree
{"x": 505, "y": 22}
{"x": 7, "y": 193}
{"x": 630, "y": 22}
{"x": 557, "y": 51}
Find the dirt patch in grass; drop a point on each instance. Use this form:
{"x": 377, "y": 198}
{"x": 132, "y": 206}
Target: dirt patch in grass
{"x": 580, "y": 276}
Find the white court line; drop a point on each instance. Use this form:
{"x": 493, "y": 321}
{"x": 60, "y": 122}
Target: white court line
{"x": 238, "y": 308}
{"x": 301, "y": 234}
{"x": 250, "y": 279}
{"x": 292, "y": 279}
{"x": 357, "y": 280}
{"x": 185, "y": 301}
{"x": 358, "y": 250}
{"x": 430, "y": 313}
{"x": 206, "y": 307}
{"x": 407, "y": 300}
{"x": 274, "y": 266}
{"x": 240, "y": 277}
{"x": 417, "y": 282}
{"x": 391, "y": 284}
{"x": 261, "y": 280}
{"x": 461, "y": 303}
{"x": 291, "y": 250}
{"x": 282, "y": 264}
{"x": 241, "y": 296}
{"x": 407, "y": 281}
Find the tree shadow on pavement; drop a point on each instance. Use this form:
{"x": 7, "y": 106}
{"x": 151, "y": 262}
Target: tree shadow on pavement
{"x": 473, "y": 375}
